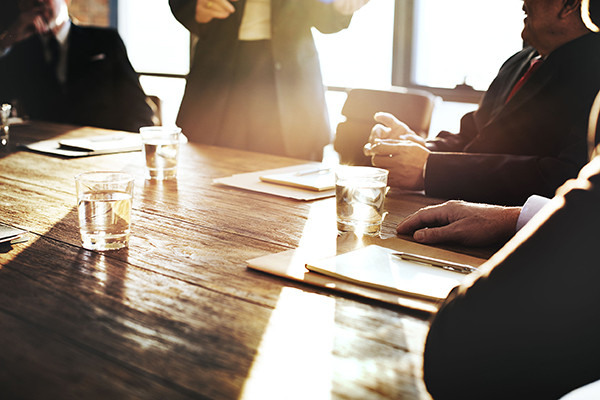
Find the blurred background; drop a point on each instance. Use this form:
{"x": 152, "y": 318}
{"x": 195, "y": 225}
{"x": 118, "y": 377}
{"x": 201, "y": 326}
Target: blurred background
{"x": 451, "y": 48}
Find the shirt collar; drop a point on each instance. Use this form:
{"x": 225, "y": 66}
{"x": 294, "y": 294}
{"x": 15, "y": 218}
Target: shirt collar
{"x": 62, "y": 34}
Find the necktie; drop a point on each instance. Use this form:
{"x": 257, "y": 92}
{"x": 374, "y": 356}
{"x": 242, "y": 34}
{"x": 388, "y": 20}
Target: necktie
{"x": 534, "y": 64}
{"x": 54, "y": 48}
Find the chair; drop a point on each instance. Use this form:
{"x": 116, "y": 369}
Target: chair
{"x": 411, "y": 106}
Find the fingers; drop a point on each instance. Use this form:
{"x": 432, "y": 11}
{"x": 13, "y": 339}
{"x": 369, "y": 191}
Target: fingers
{"x": 206, "y": 10}
{"x": 442, "y": 234}
{"x": 390, "y": 128}
{"x": 388, "y": 147}
{"x": 387, "y": 119}
{"x": 40, "y": 25}
{"x": 429, "y": 225}
{"x": 379, "y": 131}
{"x": 425, "y": 217}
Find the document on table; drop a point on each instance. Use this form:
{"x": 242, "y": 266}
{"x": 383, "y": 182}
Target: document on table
{"x": 255, "y": 181}
{"x": 385, "y": 269}
{"x": 318, "y": 178}
{"x": 91, "y": 146}
{"x": 292, "y": 264}
{"x": 9, "y": 234}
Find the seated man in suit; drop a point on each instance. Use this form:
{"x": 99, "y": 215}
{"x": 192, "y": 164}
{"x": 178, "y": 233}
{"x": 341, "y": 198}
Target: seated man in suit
{"x": 524, "y": 325}
{"x": 474, "y": 224}
{"x": 525, "y": 138}
{"x": 57, "y": 71}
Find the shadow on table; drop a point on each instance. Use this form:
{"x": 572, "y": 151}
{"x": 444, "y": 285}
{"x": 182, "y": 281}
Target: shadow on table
{"x": 150, "y": 322}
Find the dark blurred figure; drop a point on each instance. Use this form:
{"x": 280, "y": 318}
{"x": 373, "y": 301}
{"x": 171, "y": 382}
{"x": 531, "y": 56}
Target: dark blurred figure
{"x": 55, "y": 70}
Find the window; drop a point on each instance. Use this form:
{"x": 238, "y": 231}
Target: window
{"x": 451, "y": 48}
{"x": 159, "y": 49}
{"x": 462, "y": 42}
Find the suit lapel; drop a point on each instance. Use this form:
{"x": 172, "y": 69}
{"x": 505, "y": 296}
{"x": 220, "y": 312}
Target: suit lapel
{"x": 537, "y": 82}
{"x": 540, "y": 78}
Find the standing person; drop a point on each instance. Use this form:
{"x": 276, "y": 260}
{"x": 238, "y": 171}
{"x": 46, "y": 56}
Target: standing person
{"x": 526, "y": 137}
{"x": 60, "y": 72}
{"x": 255, "y": 82}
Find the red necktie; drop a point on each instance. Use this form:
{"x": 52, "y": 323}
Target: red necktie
{"x": 535, "y": 63}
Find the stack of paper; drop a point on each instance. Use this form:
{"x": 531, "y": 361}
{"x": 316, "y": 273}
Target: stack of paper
{"x": 8, "y": 234}
{"x": 310, "y": 181}
{"x": 91, "y": 146}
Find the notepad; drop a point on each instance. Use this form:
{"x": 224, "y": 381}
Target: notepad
{"x": 317, "y": 178}
{"x": 381, "y": 268}
{"x": 92, "y": 146}
{"x": 252, "y": 181}
{"x": 120, "y": 142}
{"x": 8, "y": 234}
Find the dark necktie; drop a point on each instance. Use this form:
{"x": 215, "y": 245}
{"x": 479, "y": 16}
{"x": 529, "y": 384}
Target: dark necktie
{"x": 54, "y": 48}
{"x": 534, "y": 64}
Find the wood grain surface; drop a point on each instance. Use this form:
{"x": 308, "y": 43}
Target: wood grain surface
{"x": 178, "y": 314}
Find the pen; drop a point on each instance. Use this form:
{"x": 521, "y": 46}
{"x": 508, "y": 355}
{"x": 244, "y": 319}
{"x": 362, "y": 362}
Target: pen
{"x": 313, "y": 171}
{"x": 107, "y": 138}
{"x": 462, "y": 268}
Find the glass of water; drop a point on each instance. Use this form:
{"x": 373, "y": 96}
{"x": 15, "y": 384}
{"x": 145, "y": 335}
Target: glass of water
{"x": 160, "y": 150}
{"x": 5, "y": 126}
{"x": 104, "y": 208}
{"x": 360, "y": 194}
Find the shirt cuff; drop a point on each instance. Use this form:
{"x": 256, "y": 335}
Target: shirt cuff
{"x": 533, "y": 204}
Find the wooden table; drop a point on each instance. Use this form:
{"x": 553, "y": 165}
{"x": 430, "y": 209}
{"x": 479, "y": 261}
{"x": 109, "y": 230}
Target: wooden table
{"x": 178, "y": 314}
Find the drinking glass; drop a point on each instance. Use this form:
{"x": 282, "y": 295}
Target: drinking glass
{"x": 104, "y": 208}
{"x": 360, "y": 194}
{"x": 160, "y": 150}
{"x": 4, "y": 127}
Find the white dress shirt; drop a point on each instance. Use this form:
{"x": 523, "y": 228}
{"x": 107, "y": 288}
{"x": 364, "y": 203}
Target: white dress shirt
{"x": 533, "y": 204}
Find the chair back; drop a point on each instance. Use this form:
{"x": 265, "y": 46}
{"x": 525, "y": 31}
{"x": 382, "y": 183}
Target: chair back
{"x": 412, "y": 106}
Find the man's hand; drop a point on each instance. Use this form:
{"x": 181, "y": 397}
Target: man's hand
{"x": 207, "y": 10}
{"x": 461, "y": 222}
{"x": 27, "y": 23}
{"x": 389, "y": 127}
{"x": 404, "y": 159}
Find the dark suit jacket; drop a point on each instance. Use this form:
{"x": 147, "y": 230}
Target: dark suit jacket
{"x": 299, "y": 85}
{"x": 102, "y": 89}
{"x": 506, "y": 152}
{"x": 528, "y": 328}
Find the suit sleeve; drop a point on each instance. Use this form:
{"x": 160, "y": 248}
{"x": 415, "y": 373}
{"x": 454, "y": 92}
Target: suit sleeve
{"x": 528, "y": 326}
{"x": 133, "y": 110}
{"x": 447, "y": 141}
{"x": 184, "y": 11}
{"x": 505, "y": 179}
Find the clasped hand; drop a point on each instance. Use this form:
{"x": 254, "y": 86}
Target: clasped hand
{"x": 30, "y": 21}
{"x": 207, "y": 10}
{"x": 395, "y": 147}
